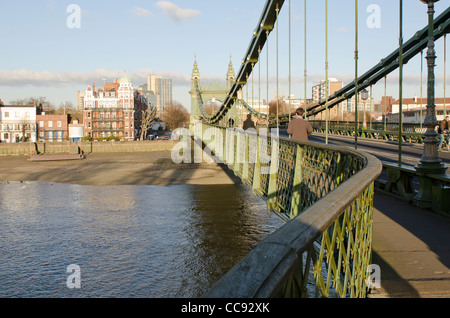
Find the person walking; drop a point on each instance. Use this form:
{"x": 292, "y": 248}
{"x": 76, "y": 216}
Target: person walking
{"x": 443, "y": 129}
{"x": 299, "y": 128}
{"x": 248, "y": 123}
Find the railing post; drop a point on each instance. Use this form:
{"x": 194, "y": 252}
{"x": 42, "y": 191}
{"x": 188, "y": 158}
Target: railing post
{"x": 245, "y": 164}
{"x": 238, "y": 159}
{"x": 256, "y": 185}
{"x": 272, "y": 189}
{"x": 297, "y": 184}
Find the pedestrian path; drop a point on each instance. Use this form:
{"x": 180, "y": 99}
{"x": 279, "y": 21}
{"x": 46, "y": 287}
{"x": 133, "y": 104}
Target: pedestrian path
{"x": 412, "y": 248}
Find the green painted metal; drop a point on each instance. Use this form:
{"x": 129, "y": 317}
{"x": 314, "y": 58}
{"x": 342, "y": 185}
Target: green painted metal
{"x": 266, "y": 24}
{"x": 400, "y": 84}
{"x": 297, "y": 183}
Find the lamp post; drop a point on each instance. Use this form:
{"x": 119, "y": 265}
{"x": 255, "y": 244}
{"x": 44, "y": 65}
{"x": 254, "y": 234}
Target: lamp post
{"x": 430, "y": 163}
{"x": 364, "y": 97}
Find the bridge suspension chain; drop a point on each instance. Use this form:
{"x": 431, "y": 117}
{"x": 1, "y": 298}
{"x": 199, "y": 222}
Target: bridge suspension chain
{"x": 260, "y": 38}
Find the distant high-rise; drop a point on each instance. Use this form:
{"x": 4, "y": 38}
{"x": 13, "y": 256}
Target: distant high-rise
{"x": 158, "y": 92}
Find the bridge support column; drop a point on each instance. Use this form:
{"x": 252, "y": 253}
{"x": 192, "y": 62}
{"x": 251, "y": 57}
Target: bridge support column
{"x": 430, "y": 163}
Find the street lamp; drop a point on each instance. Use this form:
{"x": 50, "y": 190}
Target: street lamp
{"x": 364, "y": 97}
{"x": 430, "y": 163}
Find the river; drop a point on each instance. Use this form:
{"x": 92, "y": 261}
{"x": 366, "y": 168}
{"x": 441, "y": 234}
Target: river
{"x": 127, "y": 241}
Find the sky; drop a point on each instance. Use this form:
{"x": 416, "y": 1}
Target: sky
{"x": 50, "y": 50}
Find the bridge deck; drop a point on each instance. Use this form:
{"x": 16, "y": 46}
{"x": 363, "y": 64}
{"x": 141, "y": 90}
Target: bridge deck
{"x": 411, "y": 246}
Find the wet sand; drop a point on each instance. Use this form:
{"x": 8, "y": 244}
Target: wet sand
{"x": 151, "y": 168}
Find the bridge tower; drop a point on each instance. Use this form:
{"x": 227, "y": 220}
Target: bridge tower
{"x": 211, "y": 92}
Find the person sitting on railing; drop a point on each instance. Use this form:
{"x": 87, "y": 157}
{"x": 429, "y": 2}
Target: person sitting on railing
{"x": 299, "y": 128}
{"x": 248, "y": 123}
{"x": 443, "y": 129}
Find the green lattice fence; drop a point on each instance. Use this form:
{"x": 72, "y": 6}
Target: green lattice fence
{"x": 325, "y": 194}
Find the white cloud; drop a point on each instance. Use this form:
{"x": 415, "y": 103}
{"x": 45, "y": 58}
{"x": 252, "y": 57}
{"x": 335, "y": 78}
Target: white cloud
{"x": 175, "y": 12}
{"x": 141, "y": 12}
{"x": 21, "y": 78}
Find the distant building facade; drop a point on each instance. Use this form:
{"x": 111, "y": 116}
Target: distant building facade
{"x": 52, "y": 128}
{"x": 158, "y": 92}
{"x": 414, "y": 110}
{"x": 75, "y": 130}
{"x": 17, "y": 123}
{"x": 115, "y": 110}
{"x": 319, "y": 94}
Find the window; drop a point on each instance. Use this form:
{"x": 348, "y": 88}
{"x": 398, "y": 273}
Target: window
{"x": 50, "y": 123}
{"x": 58, "y": 124}
{"x": 41, "y": 124}
{"x": 6, "y": 114}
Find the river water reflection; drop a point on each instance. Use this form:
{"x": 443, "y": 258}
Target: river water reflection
{"x": 129, "y": 241}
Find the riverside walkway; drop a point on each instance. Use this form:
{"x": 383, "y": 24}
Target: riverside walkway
{"x": 411, "y": 246}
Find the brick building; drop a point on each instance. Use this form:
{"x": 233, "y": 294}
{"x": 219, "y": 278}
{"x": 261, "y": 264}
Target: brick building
{"x": 52, "y": 128}
{"x": 114, "y": 111}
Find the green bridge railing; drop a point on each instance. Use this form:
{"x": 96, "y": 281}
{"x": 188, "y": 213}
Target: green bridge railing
{"x": 324, "y": 193}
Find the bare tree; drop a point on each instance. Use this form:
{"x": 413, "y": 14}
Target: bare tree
{"x": 48, "y": 107}
{"x": 148, "y": 117}
{"x": 175, "y": 116}
{"x": 283, "y": 107}
{"x": 66, "y": 108}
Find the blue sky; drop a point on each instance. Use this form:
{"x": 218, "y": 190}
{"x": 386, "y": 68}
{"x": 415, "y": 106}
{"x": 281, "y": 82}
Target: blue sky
{"x": 42, "y": 56}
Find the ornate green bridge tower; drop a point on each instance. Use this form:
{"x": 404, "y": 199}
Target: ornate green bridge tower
{"x": 210, "y": 93}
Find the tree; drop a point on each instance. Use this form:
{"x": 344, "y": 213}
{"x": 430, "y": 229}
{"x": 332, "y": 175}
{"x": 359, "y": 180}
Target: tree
{"x": 175, "y": 116}
{"x": 48, "y": 107}
{"x": 148, "y": 117}
{"x": 283, "y": 107}
{"x": 66, "y": 108}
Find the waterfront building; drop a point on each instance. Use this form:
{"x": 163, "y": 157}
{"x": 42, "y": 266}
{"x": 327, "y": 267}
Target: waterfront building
{"x": 17, "y": 123}
{"x": 52, "y": 128}
{"x": 114, "y": 111}
{"x": 75, "y": 130}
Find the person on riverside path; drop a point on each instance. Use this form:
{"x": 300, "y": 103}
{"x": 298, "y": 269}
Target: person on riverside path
{"x": 443, "y": 129}
{"x": 248, "y": 123}
{"x": 299, "y": 128}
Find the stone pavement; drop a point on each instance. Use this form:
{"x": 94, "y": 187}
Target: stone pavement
{"x": 412, "y": 248}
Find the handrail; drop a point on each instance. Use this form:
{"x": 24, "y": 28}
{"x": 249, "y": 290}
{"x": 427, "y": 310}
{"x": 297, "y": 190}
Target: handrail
{"x": 328, "y": 242}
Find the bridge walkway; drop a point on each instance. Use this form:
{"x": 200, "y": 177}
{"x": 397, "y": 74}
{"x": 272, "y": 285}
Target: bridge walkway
{"x": 412, "y": 247}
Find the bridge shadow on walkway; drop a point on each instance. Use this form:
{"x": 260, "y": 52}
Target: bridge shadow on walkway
{"x": 411, "y": 246}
